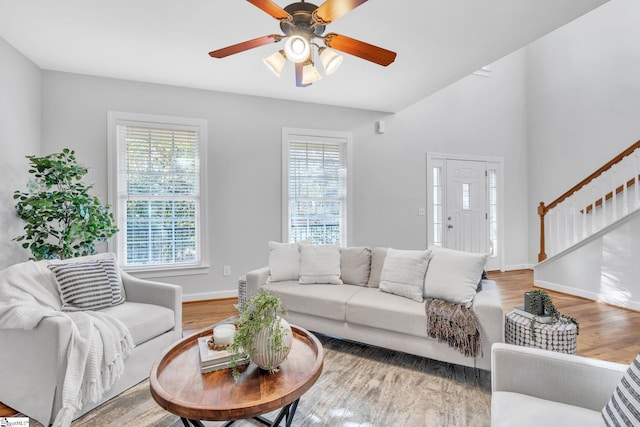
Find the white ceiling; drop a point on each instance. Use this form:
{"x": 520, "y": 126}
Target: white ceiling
{"x": 167, "y": 42}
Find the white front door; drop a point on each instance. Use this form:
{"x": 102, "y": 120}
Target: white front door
{"x": 465, "y": 215}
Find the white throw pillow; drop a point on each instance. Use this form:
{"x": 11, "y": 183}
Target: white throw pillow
{"x": 454, "y": 275}
{"x": 355, "y": 265}
{"x": 284, "y": 261}
{"x": 320, "y": 264}
{"x": 377, "y": 262}
{"x": 403, "y": 273}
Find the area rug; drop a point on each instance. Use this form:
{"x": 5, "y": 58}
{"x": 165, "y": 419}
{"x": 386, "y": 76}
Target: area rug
{"x": 360, "y": 385}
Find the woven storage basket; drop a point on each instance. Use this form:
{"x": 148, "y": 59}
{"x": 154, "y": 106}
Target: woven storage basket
{"x": 560, "y": 336}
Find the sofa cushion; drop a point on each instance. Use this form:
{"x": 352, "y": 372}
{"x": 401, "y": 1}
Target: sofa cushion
{"x": 403, "y": 273}
{"x": 327, "y": 301}
{"x": 377, "y": 262}
{"x": 454, "y": 275}
{"x": 83, "y": 286}
{"x": 320, "y": 264}
{"x": 355, "y": 265}
{"x": 145, "y": 321}
{"x": 623, "y": 407}
{"x": 370, "y": 307}
{"x": 514, "y": 409}
{"x": 284, "y": 261}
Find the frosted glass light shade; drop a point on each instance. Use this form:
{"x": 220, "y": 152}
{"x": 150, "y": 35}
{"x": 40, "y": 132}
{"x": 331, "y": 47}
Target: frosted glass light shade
{"x": 330, "y": 60}
{"x": 310, "y": 74}
{"x": 297, "y": 48}
{"x": 275, "y": 62}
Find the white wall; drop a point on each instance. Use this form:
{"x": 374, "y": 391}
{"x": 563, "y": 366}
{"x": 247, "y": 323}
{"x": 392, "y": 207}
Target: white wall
{"x": 583, "y": 101}
{"x": 481, "y": 116}
{"x": 20, "y": 94}
{"x": 603, "y": 268}
{"x": 477, "y": 116}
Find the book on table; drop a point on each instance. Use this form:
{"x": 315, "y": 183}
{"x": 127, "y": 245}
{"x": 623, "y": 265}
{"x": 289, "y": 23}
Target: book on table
{"x": 213, "y": 360}
{"x": 541, "y": 318}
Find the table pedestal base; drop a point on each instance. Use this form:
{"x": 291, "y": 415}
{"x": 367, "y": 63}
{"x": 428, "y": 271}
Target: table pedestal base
{"x": 286, "y": 413}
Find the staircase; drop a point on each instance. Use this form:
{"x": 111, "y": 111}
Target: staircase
{"x": 590, "y": 236}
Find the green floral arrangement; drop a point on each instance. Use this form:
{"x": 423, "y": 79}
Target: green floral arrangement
{"x": 261, "y": 311}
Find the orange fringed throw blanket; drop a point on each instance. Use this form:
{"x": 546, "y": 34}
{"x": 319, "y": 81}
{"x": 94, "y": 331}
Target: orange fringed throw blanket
{"x": 454, "y": 324}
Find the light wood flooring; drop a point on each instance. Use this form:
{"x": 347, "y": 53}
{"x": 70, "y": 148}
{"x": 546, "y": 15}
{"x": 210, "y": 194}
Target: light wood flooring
{"x": 606, "y": 332}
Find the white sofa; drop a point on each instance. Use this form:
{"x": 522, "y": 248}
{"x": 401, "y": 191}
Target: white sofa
{"x": 32, "y": 361}
{"x": 366, "y": 314}
{"x": 534, "y": 387}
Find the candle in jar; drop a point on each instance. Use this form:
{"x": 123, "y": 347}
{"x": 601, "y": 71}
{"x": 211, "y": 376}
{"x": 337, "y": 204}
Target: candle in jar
{"x": 223, "y": 334}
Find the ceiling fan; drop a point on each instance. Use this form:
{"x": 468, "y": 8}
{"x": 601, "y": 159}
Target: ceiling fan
{"x": 301, "y": 24}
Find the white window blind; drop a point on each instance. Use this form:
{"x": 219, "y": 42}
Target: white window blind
{"x": 317, "y": 188}
{"x": 158, "y": 194}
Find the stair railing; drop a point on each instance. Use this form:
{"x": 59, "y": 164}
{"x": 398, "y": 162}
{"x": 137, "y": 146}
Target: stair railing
{"x": 594, "y": 203}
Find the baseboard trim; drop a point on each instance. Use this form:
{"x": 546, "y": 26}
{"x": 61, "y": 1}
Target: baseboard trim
{"x": 514, "y": 267}
{"x": 202, "y": 296}
{"x": 631, "y": 305}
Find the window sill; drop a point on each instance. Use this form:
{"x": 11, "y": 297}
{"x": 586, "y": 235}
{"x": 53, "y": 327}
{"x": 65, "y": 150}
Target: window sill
{"x": 152, "y": 272}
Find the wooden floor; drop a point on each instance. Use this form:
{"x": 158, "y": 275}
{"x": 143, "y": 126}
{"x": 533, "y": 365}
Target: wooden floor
{"x": 606, "y": 332}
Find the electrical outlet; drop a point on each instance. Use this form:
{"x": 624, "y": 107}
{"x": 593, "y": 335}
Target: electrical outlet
{"x": 226, "y": 270}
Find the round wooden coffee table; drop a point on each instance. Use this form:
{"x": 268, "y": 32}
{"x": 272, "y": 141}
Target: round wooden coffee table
{"x": 178, "y": 386}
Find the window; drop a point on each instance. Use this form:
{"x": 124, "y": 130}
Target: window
{"x": 315, "y": 186}
{"x": 437, "y": 206}
{"x": 156, "y": 189}
{"x": 492, "y": 180}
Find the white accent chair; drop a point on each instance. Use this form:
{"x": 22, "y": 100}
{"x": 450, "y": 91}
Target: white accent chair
{"x": 533, "y": 387}
{"x": 32, "y": 361}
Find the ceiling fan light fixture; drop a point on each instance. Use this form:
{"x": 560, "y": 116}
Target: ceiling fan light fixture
{"x": 275, "y": 62}
{"x": 297, "y": 48}
{"x": 330, "y": 60}
{"x": 310, "y": 73}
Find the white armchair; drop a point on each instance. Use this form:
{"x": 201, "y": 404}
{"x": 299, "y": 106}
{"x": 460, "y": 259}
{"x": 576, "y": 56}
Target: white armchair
{"x": 533, "y": 387}
{"x": 32, "y": 362}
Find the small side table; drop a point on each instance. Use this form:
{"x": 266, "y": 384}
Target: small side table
{"x": 560, "y": 336}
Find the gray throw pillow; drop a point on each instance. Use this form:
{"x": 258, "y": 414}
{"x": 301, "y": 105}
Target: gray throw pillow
{"x": 377, "y": 262}
{"x": 355, "y": 265}
{"x": 83, "y": 286}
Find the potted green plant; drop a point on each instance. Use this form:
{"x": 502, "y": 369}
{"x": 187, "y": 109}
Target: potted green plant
{"x": 62, "y": 219}
{"x": 262, "y": 333}
{"x": 539, "y": 302}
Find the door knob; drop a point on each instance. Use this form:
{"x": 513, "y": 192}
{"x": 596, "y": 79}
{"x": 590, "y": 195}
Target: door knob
{"x": 449, "y": 226}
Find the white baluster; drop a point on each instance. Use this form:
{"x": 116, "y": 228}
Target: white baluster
{"x": 558, "y": 229}
{"x": 594, "y": 196}
{"x": 636, "y": 184}
{"x": 614, "y": 206}
{"x": 625, "y": 178}
{"x": 603, "y": 192}
{"x": 574, "y": 218}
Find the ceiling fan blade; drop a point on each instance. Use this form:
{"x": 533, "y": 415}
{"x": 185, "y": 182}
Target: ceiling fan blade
{"x": 271, "y": 8}
{"x": 299, "y": 67}
{"x": 249, "y": 44}
{"x": 363, "y": 50}
{"x": 331, "y": 10}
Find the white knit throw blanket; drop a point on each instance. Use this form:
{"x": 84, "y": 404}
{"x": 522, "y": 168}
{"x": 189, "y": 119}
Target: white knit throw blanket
{"x": 98, "y": 346}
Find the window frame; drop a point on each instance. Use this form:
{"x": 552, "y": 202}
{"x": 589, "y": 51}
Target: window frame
{"x": 316, "y": 135}
{"x": 117, "y": 118}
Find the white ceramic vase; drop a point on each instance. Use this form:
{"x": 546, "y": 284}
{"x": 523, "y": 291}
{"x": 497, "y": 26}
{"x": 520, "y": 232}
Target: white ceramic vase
{"x": 265, "y": 355}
